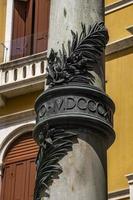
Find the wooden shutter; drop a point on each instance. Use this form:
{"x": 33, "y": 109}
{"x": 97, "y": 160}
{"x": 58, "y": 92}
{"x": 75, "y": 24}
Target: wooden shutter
{"x": 22, "y": 29}
{"x": 30, "y": 179}
{"x": 29, "y": 28}
{"x": 23, "y": 148}
{"x": 19, "y": 180}
{"x": 18, "y": 29}
{"x": 19, "y": 169}
{"x": 7, "y": 183}
{"x": 42, "y": 8}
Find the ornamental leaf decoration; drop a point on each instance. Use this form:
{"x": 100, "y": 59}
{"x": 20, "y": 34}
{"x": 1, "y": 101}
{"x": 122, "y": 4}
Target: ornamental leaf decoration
{"x": 53, "y": 147}
{"x": 84, "y": 53}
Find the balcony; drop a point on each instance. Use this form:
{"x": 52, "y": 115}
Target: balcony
{"x": 22, "y": 76}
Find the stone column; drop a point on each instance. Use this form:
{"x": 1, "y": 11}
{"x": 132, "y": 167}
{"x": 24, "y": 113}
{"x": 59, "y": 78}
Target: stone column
{"x": 74, "y": 115}
{"x": 67, "y": 15}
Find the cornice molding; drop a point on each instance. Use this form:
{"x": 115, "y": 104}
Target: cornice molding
{"x": 130, "y": 179}
{"x": 119, "y": 194}
{"x": 119, "y": 45}
{"x": 117, "y": 6}
{"x": 23, "y": 87}
{"x": 130, "y": 29}
{"x": 18, "y": 117}
{"x": 24, "y": 60}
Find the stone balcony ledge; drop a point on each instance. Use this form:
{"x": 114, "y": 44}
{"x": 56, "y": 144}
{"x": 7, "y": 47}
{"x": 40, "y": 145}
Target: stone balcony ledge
{"x": 22, "y": 76}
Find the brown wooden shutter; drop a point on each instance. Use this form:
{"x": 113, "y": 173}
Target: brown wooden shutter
{"x": 23, "y": 148}
{"x": 42, "y": 8}
{"x": 19, "y": 180}
{"x": 7, "y": 183}
{"x": 28, "y": 28}
{"x": 18, "y": 29}
{"x": 19, "y": 169}
{"x": 22, "y": 29}
{"x": 30, "y": 179}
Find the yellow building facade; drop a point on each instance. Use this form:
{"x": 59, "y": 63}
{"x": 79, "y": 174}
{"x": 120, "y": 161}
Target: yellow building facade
{"x": 22, "y": 80}
{"x": 119, "y": 83}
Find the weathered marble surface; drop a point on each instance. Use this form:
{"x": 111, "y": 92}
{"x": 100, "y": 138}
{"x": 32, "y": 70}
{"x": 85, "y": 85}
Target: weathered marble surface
{"x": 83, "y": 176}
{"x": 67, "y": 15}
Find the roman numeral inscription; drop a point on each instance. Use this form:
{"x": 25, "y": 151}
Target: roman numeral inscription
{"x": 74, "y": 104}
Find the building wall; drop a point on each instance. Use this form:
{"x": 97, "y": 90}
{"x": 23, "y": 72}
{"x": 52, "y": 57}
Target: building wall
{"x": 119, "y": 84}
{"x": 107, "y": 2}
{"x": 119, "y": 77}
{"x": 19, "y": 103}
{"x": 118, "y": 21}
{"x": 2, "y": 26}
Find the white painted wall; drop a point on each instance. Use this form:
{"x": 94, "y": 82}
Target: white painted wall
{"x": 83, "y": 176}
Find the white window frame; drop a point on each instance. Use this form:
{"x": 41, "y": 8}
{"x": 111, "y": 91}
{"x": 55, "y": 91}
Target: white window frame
{"x": 8, "y": 29}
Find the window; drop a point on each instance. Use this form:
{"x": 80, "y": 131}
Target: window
{"x": 30, "y": 27}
